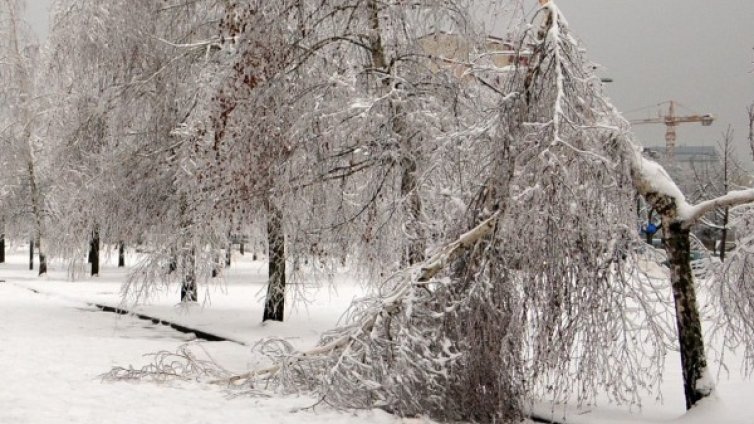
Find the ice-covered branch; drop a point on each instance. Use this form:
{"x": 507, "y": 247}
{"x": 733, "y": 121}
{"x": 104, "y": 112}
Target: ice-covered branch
{"x": 437, "y": 262}
{"x": 349, "y": 337}
{"x": 732, "y": 198}
{"x": 652, "y": 181}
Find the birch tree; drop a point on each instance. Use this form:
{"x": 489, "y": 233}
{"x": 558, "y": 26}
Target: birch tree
{"x": 22, "y": 115}
{"x": 536, "y": 297}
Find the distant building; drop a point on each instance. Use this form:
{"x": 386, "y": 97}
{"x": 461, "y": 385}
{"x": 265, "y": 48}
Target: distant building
{"x": 457, "y": 53}
{"x": 685, "y": 156}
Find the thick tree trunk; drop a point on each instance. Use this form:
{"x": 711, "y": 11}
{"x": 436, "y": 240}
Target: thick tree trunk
{"x": 31, "y": 254}
{"x": 2, "y": 248}
{"x": 121, "y": 255}
{"x": 94, "y": 252}
{"x": 691, "y": 343}
{"x": 188, "y": 287}
{"x": 228, "y": 252}
{"x": 275, "y": 303}
{"x": 241, "y": 248}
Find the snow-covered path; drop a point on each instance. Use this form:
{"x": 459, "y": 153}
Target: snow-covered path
{"x": 52, "y": 352}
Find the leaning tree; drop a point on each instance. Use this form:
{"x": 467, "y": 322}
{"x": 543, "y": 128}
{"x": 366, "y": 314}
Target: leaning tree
{"x": 537, "y": 296}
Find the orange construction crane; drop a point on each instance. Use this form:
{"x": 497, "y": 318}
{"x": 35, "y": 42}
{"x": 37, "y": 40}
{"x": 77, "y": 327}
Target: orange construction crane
{"x": 671, "y": 121}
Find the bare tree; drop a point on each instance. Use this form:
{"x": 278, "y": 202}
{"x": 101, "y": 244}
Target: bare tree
{"x": 116, "y": 126}
{"x": 22, "y": 113}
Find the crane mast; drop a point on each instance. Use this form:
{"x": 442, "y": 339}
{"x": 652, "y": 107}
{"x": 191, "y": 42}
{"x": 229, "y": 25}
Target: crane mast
{"x": 671, "y": 122}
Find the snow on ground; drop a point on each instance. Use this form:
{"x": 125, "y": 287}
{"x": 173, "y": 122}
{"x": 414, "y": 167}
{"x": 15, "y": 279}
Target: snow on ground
{"x": 53, "y": 348}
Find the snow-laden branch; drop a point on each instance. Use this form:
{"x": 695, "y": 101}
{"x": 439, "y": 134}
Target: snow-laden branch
{"x": 653, "y": 182}
{"x": 732, "y": 198}
{"x": 438, "y": 261}
{"x": 349, "y": 337}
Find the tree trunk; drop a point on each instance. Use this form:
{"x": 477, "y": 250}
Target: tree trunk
{"x": 94, "y": 252}
{"x": 31, "y": 254}
{"x": 724, "y": 235}
{"x": 416, "y": 244}
{"x": 121, "y": 255}
{"x": 241, "y": 248}
{"x": 691, "y": 343}
{"x": 2, "y": 248}
{"x": 42, "y": 258}
{"x": 173, "y": 264}
{"x": 275, "y": 303}
{"x": 414, "y": 252}
{"x": 215, "y": 267}
{"x": 188, "y": 287}
{"x": 228, "y": 252}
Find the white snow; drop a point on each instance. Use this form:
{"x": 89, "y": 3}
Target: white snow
{"x": 654, "y": 178}
{"x": 53, "y": 348}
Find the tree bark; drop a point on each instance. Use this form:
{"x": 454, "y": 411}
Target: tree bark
{"x": 215, "y": 266}
{"x": 121, "y": 255}
{"x": 42, "y": 258}
{"x": 691, "y": 343}
{"x": 173, "y": 264}
{"x": 94, "y": 252}
{"x": 275, "y": 303}
{"x": 188, "y": 287}
{"x": 31, "y": 254}
{"x": 2, "y": 248}
{"x": 724, "y": 235}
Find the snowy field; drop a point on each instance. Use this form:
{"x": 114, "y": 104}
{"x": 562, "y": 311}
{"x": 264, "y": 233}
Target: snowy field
{"x": 54, "y": 348}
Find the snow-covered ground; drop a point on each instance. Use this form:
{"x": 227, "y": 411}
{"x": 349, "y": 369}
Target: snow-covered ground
{"x": 54, "y": 348}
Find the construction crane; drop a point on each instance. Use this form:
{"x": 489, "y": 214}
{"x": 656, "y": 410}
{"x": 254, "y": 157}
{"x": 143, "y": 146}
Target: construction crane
{"x": 671, "y": 121}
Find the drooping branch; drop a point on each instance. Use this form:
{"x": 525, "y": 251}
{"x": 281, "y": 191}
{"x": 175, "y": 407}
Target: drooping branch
{"x": 350, "y": 335}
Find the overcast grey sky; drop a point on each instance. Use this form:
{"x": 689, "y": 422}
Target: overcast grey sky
{"x": 697, "y": 52}
{"x": 37, "y": 12}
